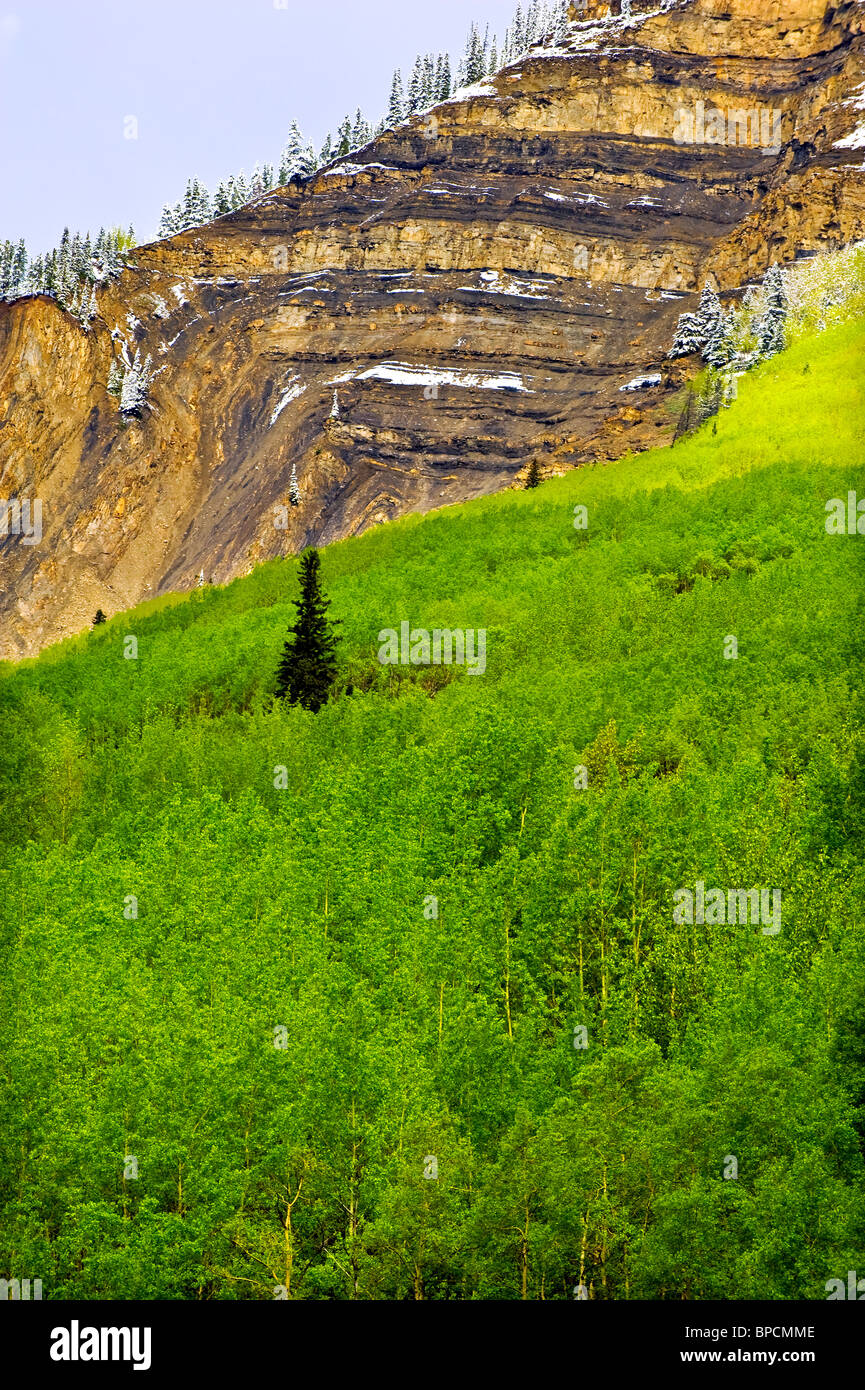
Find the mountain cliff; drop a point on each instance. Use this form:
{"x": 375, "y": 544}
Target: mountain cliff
{"x": 476, "y": 288}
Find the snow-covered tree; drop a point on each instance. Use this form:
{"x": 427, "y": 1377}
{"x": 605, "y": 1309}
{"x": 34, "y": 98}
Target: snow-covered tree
{"x": 221, "y": 200}
{"x": 429, "y": 80}
{"x": 396, "y": 107}
{"x": 688, "y": 338}
{"x": 443, "y": 78}
{"x": 721, "y": 347}
{"x": 298, "y": 157}
{"x": 35, "y": 277}
{"x": 87, "y": 307}
{"x": 360, "y": 132}
{"x": 168, "y": 222}
{"x": 19, "y": 269}
{"x": 475, "y": 61}
{"x": 771, "y": 329}
{"x": 415, "y": 87}
{"x": 294, "y": 488}
{"x": 115, "y": 378}
{"x": 343, "y": 138}
{"x": 709, "y": 313}
{"x": 518, "y": 32}
{"x": 136, "y": 383}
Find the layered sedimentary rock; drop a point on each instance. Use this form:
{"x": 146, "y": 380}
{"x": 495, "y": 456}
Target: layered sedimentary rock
{"x": 496, "y": 280}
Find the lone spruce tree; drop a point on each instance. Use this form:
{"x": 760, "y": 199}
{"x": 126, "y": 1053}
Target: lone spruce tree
{"x": 533, "y": 476}
{"x": 308, "y": 666}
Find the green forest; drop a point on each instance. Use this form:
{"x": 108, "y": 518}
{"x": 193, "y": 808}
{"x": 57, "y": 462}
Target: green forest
{"x": 388, "y": 1001}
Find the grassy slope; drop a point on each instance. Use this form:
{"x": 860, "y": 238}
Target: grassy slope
{"x": 305, "y": 906}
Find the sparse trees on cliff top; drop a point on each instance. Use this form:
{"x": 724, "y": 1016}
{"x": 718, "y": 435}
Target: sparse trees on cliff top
{"x": 68, "y": 271}
{"x": 63, "y": 271}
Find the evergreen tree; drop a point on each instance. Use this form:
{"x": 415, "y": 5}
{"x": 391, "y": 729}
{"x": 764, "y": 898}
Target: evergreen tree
{"x": 415, "y": 87}
{"x": 201, "y": 206}
{"x": 396, "y": 108}
{"x": 771, "y": 329}
{"x": 294, "y": 487}
{"x": 360, "y": 131}
{"x": 343, "y": 139}
{"x": 326, "y": 152}
{"x": 721, "y": 348}
{"x": 19, "y": 270}
{"x": 36, "y": 276}
{"x": 136, "y": 381}
{"x": 307, "y": 670}
{"x": 474, "y": 62}
{"x": 443, "y": 78}
{"x": 687, "y": 339}
{"x": 169, "y": 220}
{"x": 6, "y": 253}
{"x": 518, "y": 33}
{"x": 99, "y": 618}
{"x": 534, "y": 474}
{"x": 115, "y": 379}
{"x": 50, "y": 273}
{"x": 709, "y": 314}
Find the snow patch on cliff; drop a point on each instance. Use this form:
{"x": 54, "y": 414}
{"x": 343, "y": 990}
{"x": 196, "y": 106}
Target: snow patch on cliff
{"x": 854, "y": 141}
{"x": 290, "y": 393}
{"x": 407, "y": 374}
{"x": 642, "y": 383}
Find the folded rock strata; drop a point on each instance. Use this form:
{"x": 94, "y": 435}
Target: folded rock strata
{"x": 410, "y": 328}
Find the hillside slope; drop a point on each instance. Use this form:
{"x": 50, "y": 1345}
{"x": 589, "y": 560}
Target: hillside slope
{"x": 410, "y": 327}
{"x": 294, "y": 1002}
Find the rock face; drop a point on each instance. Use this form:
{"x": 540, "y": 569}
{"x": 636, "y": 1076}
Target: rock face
{"x": 411, "y": 328}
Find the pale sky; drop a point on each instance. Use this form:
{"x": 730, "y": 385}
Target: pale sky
{"x": 212, "y": 84}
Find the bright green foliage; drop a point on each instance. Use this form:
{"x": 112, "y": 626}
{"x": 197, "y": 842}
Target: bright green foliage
{"x": 322, "y": 975}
